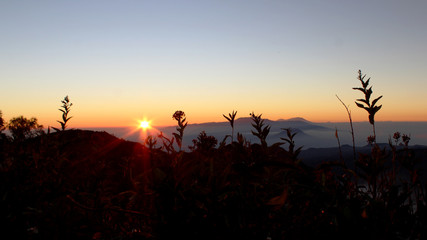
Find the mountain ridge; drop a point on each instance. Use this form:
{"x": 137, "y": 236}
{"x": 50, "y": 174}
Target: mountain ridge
{"x": 309, "y": 134}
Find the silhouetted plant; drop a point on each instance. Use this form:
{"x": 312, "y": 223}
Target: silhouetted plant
{"x": 204, "y": 143}
{"x": 179, "y": 116}
{"x": 22, "y": 128}
{"x": 351, "y": 127}
{"x": 66, "y": 108}
{"x": 370, "y": 107}
{"x": 150, "y": 142}
{"x": 395, "y": 151}
{"x": 223, "y": 143}
{"x": 167, "y": 143}
{"x": 261, "y": 131}
{"x": 230, "y": 118}
{"x": 408, "y": 161}
{"x": 339, "y": 144}
{"x": 242, "y": 140}
{"x": 406, "y": 139}
{"x": 372, "y": 166}
{"x": 290, "y": 139}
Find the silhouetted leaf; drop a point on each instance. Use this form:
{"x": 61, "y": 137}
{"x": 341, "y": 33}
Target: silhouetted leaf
{"x": 226, "y": 117}
{"x": 360, "y": 89}
{"x": 359, "y": 105}
{"x": 368, "y": 94}
{"x": 376, "y": 100}
{"x": 297, "y": 152}
{"x": 363, "y": 100}
{"x": 365, "y": 85}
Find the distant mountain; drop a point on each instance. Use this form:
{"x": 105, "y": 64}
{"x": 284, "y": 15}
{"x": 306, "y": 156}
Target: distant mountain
{"x": 315, "y": 156}
{"x": 295, "y": 119}
{"x": 246, "y": 120}
{"x": 283, "y": 133}
{"x": 309, "y": 134}
{"x": 306, "y": 131}
{"x": 109, "y": 147}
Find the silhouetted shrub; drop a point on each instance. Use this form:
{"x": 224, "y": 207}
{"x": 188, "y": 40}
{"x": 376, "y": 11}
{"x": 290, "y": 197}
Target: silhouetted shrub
{"x": 22, "y": 128}
{"x": 2, "y": 127}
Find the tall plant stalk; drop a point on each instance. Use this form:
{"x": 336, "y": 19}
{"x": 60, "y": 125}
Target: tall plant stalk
{"x": 351, "y": 126}
{"x": 339, "y": 145}
{"x": 179, "y": 116}
{"x": 65, "y": 109}
{"x": 366, "y": 103}
{"x": 261, "y": 130}
{"x": 230, "y": 118}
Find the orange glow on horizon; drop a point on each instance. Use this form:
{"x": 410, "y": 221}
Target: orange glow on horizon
{"x": 160, "y": 119}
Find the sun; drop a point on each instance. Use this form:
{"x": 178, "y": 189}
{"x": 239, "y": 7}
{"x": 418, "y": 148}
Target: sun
{"x": 144, "y": 125}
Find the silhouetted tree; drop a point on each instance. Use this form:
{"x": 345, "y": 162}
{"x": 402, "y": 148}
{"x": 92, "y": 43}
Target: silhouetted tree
{"x": 22, "y": 128}
{"x": 66, "y": 108}
{"x": 1, "y": 122}
{"x": 2, "y": 127}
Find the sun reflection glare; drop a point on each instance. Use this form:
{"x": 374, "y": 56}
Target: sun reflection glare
{"x": 144, "y": 125}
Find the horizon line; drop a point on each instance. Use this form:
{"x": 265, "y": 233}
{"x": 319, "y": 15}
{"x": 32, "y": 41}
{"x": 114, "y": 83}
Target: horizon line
{"x": 277, "y": 120}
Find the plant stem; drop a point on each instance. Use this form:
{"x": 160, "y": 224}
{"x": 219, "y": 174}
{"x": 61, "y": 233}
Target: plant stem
{"x": 351, "y": 126}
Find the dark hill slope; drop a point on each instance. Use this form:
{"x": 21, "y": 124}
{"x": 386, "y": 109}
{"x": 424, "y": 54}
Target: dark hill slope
{"x": 80, "y": 146}
{"x": 55, "y": 185}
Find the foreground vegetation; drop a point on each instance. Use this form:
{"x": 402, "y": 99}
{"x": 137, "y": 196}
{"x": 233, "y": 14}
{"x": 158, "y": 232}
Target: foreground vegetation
{"x": 74, "y": 184}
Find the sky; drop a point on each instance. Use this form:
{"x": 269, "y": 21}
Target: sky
{"x": 123, "y": 61}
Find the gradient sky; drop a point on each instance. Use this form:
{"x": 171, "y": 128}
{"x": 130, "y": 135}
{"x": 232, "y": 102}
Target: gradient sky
{"x": 120, "y": 61}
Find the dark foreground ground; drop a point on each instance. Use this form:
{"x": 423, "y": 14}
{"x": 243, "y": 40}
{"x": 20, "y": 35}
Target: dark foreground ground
{"x": 91, "y": 185}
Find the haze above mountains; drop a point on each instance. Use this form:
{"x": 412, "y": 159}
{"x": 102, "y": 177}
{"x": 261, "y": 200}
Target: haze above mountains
{"x": 309, "y": 134}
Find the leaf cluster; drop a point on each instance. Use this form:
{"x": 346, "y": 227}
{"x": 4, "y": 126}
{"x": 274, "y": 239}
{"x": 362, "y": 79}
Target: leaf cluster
{"x": 366, "y": 103}
{"x": 230, "y": 118}
{"x": 290, "y": 140}
{"x": 204, "y": 143}
{"x": 167, "y": 143}
{"x": 65, "y": 109}
{"x": 179, "y": 116}
{"x": 261, "y": 131}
